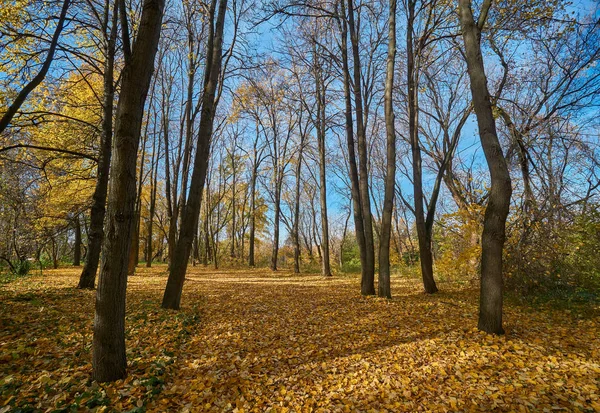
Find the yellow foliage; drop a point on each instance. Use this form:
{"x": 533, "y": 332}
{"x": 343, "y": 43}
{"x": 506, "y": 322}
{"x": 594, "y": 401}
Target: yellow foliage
{"x": 256, "y": 341}
{"x": 458, "y": 241}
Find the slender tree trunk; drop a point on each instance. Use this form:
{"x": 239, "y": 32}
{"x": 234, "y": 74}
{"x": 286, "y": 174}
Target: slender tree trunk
{"x": 425, "y": 256}
{"x": 368, "y": 281}
{"x": 276, "y": 219}
{"x": 252, "y": 234}
{"x": 355, "y": 185}
{"x": 77, "y": 243}
{"x": 296, "y": 224}
{"x": 87, "y": 279}
{"x": 325, "y": 265}
{"x": 172, "y": 295}
{"x": 384, "y": 289}
{"x": 152, "y": 209}
{"x": 233, "y": 203}
{"x": 109, "y": 359}
{"x": 496, "y": 212}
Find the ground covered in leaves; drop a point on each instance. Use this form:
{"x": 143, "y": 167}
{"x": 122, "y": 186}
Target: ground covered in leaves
{"x": 262, "y": 341}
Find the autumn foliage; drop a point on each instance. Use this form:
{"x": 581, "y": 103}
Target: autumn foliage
{"x": 262, "y": 341}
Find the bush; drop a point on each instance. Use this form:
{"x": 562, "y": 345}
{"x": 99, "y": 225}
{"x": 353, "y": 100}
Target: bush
{"x": 555, "y": 256}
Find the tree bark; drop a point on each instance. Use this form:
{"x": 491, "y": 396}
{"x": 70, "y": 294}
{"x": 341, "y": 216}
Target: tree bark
{"x": 368, "y": 281}
{"x": 191, "y": 212}
{"x": 77, "y": 242}
{"x": 296, "y": 224}
{"x": 384, "y": 289}
{"x": 152, "y": 209}
{"x": 425, "y": 256}
{"x": 496, "y": 212}
{"x": 276, "y": 219}
{"x": 325, "y": 263}
{"x": 252, "y": 234}
{"x": 109, "y": 359}
{"x": 87, "y": 280}
{"x": 355, "y": 185}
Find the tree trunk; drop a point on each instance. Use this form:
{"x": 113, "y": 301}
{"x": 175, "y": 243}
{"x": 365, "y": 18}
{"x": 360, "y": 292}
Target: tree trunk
{"x": 355, "y": 186}
{"x": 496, "y": 212}
{"x": 425, "y": 257}
{"x": 152, "y": 209}
{"x": 368, "y": 281}
{"x": 325, "y": 264}
{"x": 109, "y": 359}
{"x": 276, "y": 218}
{"x": 87, "y": 279}
{"x": 191, "y": 213}
{"x": 252, "y": 234}
{"x": 384, "y": 289}
{"x": 77, "y": 243}
{"x": 296, "y": 224}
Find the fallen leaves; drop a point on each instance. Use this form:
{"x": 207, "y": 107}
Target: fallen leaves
{"x": 258, "y": 341}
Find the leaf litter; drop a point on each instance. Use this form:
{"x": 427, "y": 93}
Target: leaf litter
{"x": 255, "y": 341}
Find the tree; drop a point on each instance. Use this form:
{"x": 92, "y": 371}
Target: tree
{"x": 109, "y": 359}
{"x": 180, "y": 256}
{"x": 496, "y": 212}
{"x": 384, "y": 289}
{"x": 87, "y": 278}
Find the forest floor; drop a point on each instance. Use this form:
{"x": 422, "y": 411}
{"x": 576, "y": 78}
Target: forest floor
{"x": 262, "y": 341}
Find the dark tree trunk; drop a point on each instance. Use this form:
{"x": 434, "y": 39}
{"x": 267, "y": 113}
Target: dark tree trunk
{"x": 496, "y": 212}
{"x": 384, "y": 289}
{"x": 152, "y": 209}
{"x": 252, "y": 234}
{"x": 425, "y": 256}
{"x": 368, "y": 281}
{"x": 325, "y": 265}
{"x": 134, "y": 256}
{"x": 109, "y": 359}
{"x": 98, "y": 210}
{"x": 77, "y": 242}
{"x": 296, "y": 224}
{"x": 355, "y": 185}
{"x": 276, "y": 219}
{"x": 191, "y": 213}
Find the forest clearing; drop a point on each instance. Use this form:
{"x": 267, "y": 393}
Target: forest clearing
{"x": 255, "y": 340}
{"x": 299, "y": 205}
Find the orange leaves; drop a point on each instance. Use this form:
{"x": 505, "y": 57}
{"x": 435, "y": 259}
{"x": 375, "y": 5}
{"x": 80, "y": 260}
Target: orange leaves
{"x": 254, "y": 341}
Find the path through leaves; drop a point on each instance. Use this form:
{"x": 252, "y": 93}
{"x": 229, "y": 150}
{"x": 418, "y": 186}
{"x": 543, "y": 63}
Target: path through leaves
{"x": 262, "y": 341}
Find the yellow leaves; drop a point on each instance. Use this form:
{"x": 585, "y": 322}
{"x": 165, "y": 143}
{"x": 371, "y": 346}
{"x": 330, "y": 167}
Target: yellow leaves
{"x": 278, "y": 342}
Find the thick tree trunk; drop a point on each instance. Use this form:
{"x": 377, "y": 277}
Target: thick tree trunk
{"x": 87, "y": 279}
{"x": 384, "y": 289}
{"x": 494, "y": 225}
{"x": 77, "y": 242}
{"x": 109, "y": 359}
{"x": 191, "y": 213}
{"x": 368, "y": 281}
